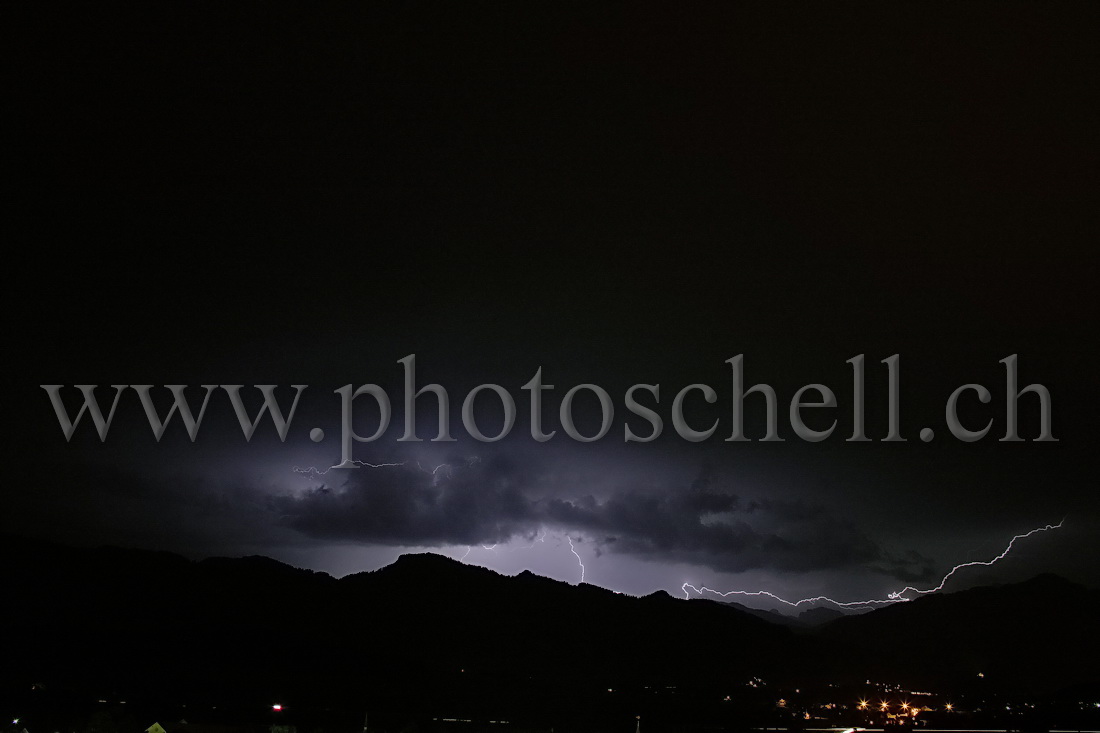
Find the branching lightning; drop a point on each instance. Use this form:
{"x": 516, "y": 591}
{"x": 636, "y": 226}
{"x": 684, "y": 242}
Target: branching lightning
{"x": 445, "y": 470}
{"x": 313, "y": 471}
{"x": 438, "y": 473}
{"x": 983, "y": 563}
{"x": 892, "y": 597}
{"x": 541, "y": 538}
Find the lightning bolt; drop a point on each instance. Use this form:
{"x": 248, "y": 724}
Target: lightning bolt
{"x": 540, "y": 538}
{"x": 446, "y": 468}
{"x": 891, "y": 597}
{"x": 975, "y": 563}
{"x": 574, "y": 551}
{"x": 313, "y": 471}
{"x": 448, "y": 472}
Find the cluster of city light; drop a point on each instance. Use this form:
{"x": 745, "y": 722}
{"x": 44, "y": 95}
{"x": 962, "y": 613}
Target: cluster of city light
{"x": 891, "y": 597}
{"x": 905, "y": 707}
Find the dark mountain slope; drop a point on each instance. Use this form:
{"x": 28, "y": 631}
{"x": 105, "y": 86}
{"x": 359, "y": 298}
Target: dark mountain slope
{"x": 432, "y": 633}
{"x": 1035, "y": 635}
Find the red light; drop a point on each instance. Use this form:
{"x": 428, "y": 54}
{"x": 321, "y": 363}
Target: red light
{"x": 276, "y": 707}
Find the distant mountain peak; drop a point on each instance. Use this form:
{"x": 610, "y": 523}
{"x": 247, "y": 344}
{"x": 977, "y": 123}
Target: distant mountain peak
{"x": 658, "y": 595}
{"x": 431, "y": 565}
{"x": 425, "y": 559}
{"x": 1049, "y": 580}
{"x": 820, "y": 615}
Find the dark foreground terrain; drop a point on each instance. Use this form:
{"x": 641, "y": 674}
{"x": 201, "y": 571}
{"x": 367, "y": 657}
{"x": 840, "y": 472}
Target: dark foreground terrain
{"x": 112, "y": 640}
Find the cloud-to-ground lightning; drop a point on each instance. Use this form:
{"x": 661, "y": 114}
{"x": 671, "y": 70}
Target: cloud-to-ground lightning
{"x": 891, "y": 597}
{"x": 540, "y": 538}
{"x": 574, "y": 551}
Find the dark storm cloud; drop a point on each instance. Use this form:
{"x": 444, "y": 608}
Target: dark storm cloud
{"x": 909, "y": 566}
{"x": 461, "y": 502}
{"x": 97, "y": 503}
{"x": 474, "y": 502}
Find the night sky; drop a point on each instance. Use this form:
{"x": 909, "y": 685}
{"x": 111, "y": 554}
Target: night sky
{"x": 260, "y": 195}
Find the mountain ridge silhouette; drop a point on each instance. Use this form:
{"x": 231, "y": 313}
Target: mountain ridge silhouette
{"x": 430, "y": 630}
